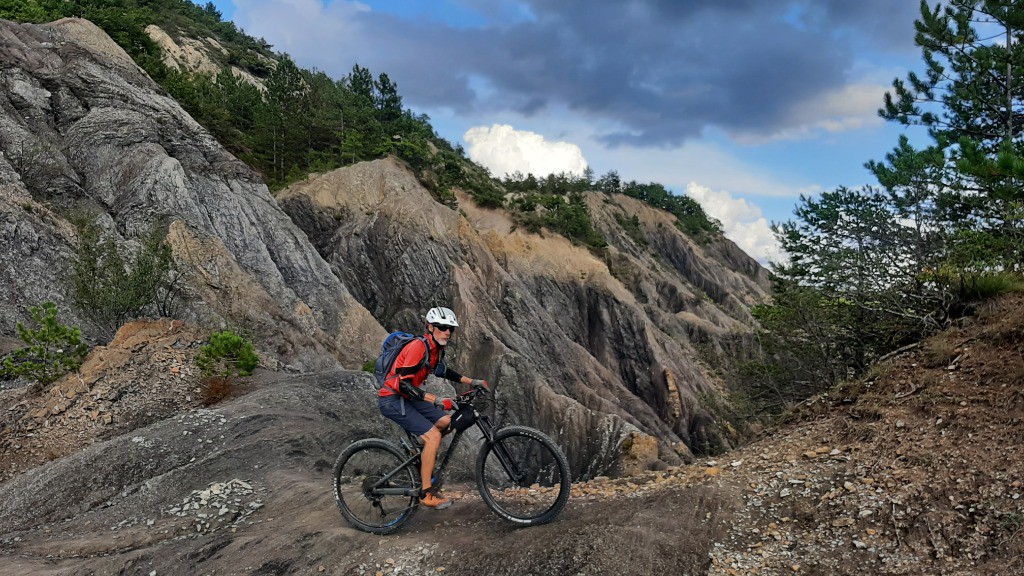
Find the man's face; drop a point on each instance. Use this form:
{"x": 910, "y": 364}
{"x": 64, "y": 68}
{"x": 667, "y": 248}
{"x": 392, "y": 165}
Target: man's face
{"x": 442, "y": 333}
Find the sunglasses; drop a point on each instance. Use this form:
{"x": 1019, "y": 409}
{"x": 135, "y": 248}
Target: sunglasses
{"x": 444, "y": 328}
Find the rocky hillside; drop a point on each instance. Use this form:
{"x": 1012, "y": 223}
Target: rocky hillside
{"x": 84, "y": 130}
{"x": 913, "y": 471}
{"x": 611, "y": 352}
{"x": 589, "y": 347}
{"x": 197, "y": 55}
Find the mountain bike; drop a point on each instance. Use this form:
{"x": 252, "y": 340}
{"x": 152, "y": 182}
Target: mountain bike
{"x": 521, "y": 474}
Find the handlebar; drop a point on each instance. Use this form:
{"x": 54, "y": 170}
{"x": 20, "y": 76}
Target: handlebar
{"x": 470, "y": 395}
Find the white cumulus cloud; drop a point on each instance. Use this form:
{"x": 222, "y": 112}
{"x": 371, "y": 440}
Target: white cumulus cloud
{"x": 742, "y": 222}
{"x": 503, "y": 150}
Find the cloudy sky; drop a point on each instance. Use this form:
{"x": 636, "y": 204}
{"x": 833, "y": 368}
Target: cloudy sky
{"x": 742, "y": 104}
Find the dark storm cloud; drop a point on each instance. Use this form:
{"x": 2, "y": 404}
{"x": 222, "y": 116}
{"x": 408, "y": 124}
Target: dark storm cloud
{"x": 662, "y": 70}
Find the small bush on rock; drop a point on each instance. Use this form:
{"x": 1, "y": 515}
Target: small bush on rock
{"x": 227, "y": 357}
{"x": 52, "y": 350}
{"x": 111, "y": 290}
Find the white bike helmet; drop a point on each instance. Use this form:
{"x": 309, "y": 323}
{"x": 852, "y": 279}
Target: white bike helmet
{"x": 442, "y": 316}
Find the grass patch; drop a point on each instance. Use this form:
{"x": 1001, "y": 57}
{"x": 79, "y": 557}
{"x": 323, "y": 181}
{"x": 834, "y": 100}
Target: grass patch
{"x": 938, "y": 353}
{"x": 989, "y": 284}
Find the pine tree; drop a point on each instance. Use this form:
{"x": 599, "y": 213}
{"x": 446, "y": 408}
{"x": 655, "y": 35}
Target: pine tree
{"x": 389, "y": 103}
{"x": 970, "y": 99}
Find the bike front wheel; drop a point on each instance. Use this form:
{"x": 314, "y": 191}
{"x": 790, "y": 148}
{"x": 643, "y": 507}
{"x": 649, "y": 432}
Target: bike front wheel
{"x": 374, "y": 490}
{"x": 523, "y": 476}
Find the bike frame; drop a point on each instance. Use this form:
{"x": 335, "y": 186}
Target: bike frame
{"x": 485, "y": 426}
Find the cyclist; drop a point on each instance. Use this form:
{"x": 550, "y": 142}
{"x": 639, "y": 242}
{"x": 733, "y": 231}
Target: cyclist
{"x": 403, "y": 399}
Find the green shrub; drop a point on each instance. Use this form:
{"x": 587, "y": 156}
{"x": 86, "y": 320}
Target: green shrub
{"x": 110, "y": 291}
{"x": 52, "y": 350}
{"x": 960, "y": 285}
{"x": 227, "y": 355}
{"x": 23, "y": 11}
{"x": 566, "y": 215}
{"x": 370, "y": 366}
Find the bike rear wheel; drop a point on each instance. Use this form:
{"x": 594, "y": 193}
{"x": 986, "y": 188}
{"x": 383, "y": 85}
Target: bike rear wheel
{"x": 523, "y": 476}
{"x": 358, "y": 469}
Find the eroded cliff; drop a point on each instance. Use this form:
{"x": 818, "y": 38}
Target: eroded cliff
{"x": 83, "y": 130}
{"x": 599, "y": 348}
{"x": 609, "y": 351}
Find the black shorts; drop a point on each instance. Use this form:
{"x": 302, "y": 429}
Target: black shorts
{"x": 420, "y": 415}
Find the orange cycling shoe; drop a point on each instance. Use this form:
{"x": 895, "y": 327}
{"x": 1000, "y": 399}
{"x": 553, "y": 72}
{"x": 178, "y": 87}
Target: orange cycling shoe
{"x": 431, "y": 499}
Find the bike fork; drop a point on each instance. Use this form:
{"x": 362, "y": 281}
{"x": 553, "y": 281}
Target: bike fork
{"x": 508, "y": 463}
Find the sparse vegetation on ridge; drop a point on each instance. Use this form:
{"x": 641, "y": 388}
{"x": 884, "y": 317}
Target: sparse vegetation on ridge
{"x": 556, "y": 201}
{"x": 51, "y": 349}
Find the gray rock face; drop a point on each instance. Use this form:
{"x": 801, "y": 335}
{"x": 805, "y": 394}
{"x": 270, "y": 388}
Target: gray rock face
{"x": 607, "y": 352}
{"x": 171, "y": 458}
{"x": 82, "y": 127}
{"x": 245, "y": 488}
{"x": 597, "y": 350}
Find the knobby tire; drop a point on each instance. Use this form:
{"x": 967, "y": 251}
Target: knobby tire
{"x": 357, "y": 468}
{"x": 541, "y": 491}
